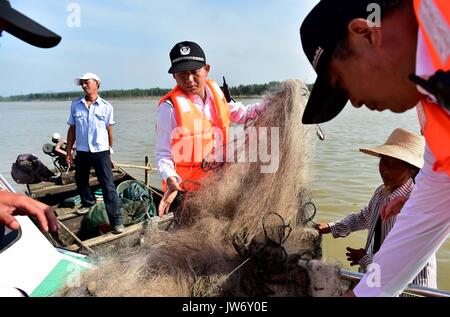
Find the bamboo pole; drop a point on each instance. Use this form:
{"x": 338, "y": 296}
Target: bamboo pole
{"x": 146, "y": 171}
{"x": 148, "y": 168}
{"x": 75, "y": 237}
{"x": 155, "y": 192}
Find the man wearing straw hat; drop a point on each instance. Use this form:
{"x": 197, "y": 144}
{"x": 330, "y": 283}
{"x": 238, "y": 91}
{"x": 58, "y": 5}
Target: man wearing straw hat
{"x": 12, "y": 204}
{"x": 401, "y": 158}
{"x": 354, "y": 46}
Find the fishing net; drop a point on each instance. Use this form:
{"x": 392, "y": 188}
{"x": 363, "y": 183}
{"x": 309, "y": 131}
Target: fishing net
{"x": 243, "y": 232}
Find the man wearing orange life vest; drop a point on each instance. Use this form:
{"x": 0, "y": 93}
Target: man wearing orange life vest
{"x": 374, "y": 64}
{"x": 193, "y": 123}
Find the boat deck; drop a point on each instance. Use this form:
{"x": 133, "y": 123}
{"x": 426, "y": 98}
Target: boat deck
{"x": 43, "y": 189}
{"x": 70, "y": 219}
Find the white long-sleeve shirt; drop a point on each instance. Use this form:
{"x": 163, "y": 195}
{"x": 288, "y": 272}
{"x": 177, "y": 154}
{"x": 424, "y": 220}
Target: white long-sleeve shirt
{"x": 421, "y": 228}
{"x": 166, "y": 123}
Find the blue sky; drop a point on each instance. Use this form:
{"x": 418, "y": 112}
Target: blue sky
{"x": 127, "y": 42}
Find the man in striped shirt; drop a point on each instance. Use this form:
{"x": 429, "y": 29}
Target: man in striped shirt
{"x": 400, "y": 160}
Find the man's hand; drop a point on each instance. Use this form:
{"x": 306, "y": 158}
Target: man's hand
{"x": 354, "y": 255}
{"x": 12, "y": 204}
{"x": 169, "y": 196}
{"x": 323, "y": 228}
{"x": 69, "y": 159}
{"x": 113, "y": 164}
{"x": 393, "y": 208}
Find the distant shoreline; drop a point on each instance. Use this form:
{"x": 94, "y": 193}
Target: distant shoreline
{"x": 112, "y": 99}
{"x": 239, "y": 92}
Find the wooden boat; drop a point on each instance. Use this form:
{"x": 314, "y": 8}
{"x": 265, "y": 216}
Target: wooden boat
{"x": 70, "y": 220}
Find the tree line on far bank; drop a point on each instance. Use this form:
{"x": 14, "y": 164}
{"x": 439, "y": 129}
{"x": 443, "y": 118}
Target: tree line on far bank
{"x": 237, "y": 92}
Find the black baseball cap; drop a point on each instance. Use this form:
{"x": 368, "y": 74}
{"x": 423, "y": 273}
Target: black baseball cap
{"x": 321, "y": 31}
{"x": 26, "y": 29}
{"x": 186, "y": 56}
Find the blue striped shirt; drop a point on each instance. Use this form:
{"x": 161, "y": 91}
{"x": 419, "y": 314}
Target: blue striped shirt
{"x": 367, "y": 218}
{"x": 91, "y": 124}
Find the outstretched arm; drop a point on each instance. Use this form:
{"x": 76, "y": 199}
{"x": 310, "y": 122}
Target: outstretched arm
{"x": 241, "y": 114}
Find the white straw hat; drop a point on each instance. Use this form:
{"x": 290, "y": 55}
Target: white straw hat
{"x": 85, "y": 77}
{"x": 403, "y": 145}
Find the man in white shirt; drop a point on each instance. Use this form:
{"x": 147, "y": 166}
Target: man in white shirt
{"x": 195, "y": 99}
{"x": 91, "y": 123}
{"x": 352, "y": 56}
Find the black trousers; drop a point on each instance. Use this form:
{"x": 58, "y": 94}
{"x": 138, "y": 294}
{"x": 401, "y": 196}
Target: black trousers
{"x": 101, "y": 162}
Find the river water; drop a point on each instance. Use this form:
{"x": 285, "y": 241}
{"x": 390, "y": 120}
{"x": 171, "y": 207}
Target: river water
{"x": 343, "y": 179}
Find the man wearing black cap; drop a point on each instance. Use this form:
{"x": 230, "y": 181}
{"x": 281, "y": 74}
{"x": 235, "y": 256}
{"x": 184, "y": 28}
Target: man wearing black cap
{"x": 396, "y": 66}
{"x": 12, "y": 204}
{"x": 194, "y": 113}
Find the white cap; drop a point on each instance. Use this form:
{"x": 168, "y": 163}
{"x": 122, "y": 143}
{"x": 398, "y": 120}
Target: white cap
{"x": 56, "y": 136}
{"x": 86, "y": 76}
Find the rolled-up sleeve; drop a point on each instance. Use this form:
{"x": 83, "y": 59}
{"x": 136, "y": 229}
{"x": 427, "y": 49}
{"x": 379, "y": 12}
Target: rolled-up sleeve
{"x": 354, "y": 222}
{"x": 110, "y": 118}
{"x": 71, "y": 120}
{"x": 241, "y": 114}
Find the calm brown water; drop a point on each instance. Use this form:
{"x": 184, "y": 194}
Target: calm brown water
{"x": 343, "y": 178}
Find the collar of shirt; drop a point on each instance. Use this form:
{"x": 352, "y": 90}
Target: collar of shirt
{"x": 403, "y": 190}
{"x": 207, "y": 107}
{"x": 95, "y": 102}
{"x": 198, "y": 101}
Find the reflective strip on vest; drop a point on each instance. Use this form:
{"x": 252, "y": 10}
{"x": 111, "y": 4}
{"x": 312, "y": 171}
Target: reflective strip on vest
{"x": 421, "y": 114}
{"x": 433, "y": 17}
{"x": 434, "y": 20}
{"x": 436, "y": 129}
{"x": 184, "y": 105}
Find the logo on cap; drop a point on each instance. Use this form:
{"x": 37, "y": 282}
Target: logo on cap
{"x": 186, "y": 50}
{"x": 317, "y": 56}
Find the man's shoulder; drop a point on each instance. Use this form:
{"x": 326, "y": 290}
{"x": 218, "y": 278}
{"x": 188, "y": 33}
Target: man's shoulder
{"x": 104, "y": 102}
{"x": 77, "y": 100}
{"x": 168, "y": 102}
{"x": 76, "y": 103}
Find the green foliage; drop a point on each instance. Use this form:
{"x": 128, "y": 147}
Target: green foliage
{"x": 107, "y": 94}
{"x": 237, "y": 92}
{"x": 251, "y": 90}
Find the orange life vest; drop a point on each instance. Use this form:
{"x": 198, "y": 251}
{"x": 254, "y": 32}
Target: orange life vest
{"x": 433, "y": 17}
{"x": 195, "y": 138}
